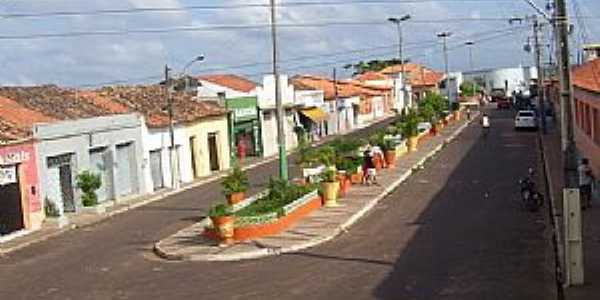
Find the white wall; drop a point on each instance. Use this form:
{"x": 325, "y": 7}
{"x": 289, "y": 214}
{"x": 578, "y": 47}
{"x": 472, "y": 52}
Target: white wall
{"x": 518, "y": 78}
{"x": 309, "y": 98}
{"x": 266, "y": 93}
{"x": 159, "y": 138}
{"x": 209, "y": 89}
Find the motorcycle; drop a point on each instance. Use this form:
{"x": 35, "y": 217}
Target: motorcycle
{"x": 531, "y": 198}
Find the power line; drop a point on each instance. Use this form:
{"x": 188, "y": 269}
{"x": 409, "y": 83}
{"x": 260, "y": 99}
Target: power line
{"x": 141, "y": 10}
{"x": 212, "y": 28}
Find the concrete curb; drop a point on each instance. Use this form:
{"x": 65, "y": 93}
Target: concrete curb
{"x": 322, "y": 239}
{"x": 160, "y": 196}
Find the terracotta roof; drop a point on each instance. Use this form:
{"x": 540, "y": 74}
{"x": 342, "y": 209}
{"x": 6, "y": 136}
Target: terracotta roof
{"x": 371, "y": 75}
{"x": 16, "y": 121}
{"x": 418, "y": 75}
{"x": 345, "y": 88}
{"x": 55, "y": 102}
{"x": 231, "y": 81}
{"x": 150, "y": 100}
{"x": 587, "y": 76}
{"x": 12, "y": 132}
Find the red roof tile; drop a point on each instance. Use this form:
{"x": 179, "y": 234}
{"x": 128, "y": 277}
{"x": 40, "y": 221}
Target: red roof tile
{"x": 587, "y": 76}
{"x": 371, "y": 75}
{"x": 16, "y": 121}
{"x": 345, "y": 88}
{"x": 231, "y": 81}
{"x": 151, "y": 101}
{"x": 418, "y": 75}
{"x": 55, "y": 102}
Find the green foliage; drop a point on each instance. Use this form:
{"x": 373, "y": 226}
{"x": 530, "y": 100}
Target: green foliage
{"x": 235, "y": 182}
{"x": 89, "y": 183}
{"x": 470, "y": 88}
{"x": 50, "y": 209}
{"x": 326, "y": 155}
{"x": 410, "y": 127}
{"x": 455, "y": 106}
{"x": 372, "y": 65}
{"x": 328, "y": 176}
{"x": 348, "y": 163}
{"x": 281, "y": 193}
{"x": 432, "y": 107}
{"x": 220, "y": 210}
{"x": 346, "y": 146}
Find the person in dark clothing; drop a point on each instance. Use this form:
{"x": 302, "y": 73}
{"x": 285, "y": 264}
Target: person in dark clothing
{"x": 369, "y": 171}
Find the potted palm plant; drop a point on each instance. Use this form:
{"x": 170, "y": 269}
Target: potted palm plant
{"x": 410, "y": 130}
{"x": 223, "y": 221}
{"x": 330, "y": 188}
{"x": 235, "y": 186}
{"x": 456, "y": 111}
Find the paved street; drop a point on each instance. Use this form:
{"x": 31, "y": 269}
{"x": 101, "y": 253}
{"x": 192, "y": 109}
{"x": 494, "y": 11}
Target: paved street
{"x": 454, "y": 230}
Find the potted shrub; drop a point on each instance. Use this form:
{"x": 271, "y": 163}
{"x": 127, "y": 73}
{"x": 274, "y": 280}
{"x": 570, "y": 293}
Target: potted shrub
{"x": 456, "y": 111}
{"x": 223, "y": 221}
{"x": 89, "y": 183}
{"x": 330, "y": 188}
{"x": 410, "y": 130}
{"x": 389, "y": 150}
{"x": 235, "y": 185}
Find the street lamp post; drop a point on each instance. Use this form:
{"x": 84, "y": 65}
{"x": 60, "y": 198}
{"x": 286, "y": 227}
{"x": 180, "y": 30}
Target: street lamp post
{"x": 470, "y": 44}
{"x": 398, "y": 22}
{"x": 445, "y": 35}
{"x": 174, "y": 158}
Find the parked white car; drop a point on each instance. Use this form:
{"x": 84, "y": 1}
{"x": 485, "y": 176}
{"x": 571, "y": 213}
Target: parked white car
{"x": 526, "y": 119}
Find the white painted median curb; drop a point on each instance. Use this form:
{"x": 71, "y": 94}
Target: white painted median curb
{"x": 269, "y": 251}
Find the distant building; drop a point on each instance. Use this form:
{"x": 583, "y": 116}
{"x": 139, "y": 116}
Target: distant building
{"x": 508, "y": 79}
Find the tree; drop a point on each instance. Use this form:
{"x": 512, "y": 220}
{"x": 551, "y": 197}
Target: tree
{"x": 375, "y": 65}
{"x": 469, "y": 88}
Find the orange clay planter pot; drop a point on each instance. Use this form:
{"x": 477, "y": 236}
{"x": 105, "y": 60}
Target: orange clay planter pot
{"x": 345, "y": 184}
{"x": 356, "y": 178}
{"x": 390, "y": 158}
{"x": 224, "y": 228}
{"x": 236, "y": 198}
{"x": 456, "y": 115}
{"x": 378, "y": 162}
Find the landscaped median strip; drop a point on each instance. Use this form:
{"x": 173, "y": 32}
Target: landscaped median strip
{"x": 189, "y": 244}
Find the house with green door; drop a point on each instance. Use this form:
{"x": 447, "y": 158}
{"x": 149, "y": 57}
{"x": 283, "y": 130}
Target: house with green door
{"x": 244, "y": 126}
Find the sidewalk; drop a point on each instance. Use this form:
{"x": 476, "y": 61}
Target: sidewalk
{"x": 319, "y": 227}
{"x": 51, "y": 228}
{"x": 591, "y": 221}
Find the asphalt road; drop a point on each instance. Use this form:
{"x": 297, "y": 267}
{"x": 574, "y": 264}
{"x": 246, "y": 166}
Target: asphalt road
{"x": 454, "y": 230}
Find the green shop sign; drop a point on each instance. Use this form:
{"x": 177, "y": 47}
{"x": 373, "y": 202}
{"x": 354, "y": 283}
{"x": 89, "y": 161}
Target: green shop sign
{"x": 244, "y": 108}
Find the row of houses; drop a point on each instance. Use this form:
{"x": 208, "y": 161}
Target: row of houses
{"x": 49, "y": 135}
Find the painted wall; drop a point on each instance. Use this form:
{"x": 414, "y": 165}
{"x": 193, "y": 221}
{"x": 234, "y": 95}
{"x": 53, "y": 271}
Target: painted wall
{"x": 24, "y": 156}
{"x": 268, "y": 121}
{"x": 209, "y": 89}
{"x": 518, "y": 78}
{"x": 200, "y": 131}
{"x": 587, "y": 129}
{"x": 77, "y": 138}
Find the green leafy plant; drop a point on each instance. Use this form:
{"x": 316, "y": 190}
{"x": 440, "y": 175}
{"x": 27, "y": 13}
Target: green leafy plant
{"x": 220, "y": 210}
{"x": 410, "y": 127}
{"x": 235, "y": 182}
{"x": 455, "y": 106}
{"x": 89, "y": 183}
{"x": 347, "y": 163}
{"x": 328, "y": 176}
{"x": 469, "y": 88}
{"x": 281, "y": 193}
{"x": 327, "y": 155}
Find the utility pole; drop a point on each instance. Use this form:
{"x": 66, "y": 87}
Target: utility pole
{"x": 283, "y": 168}
{"x": 172, "y": 150}
{"x": 335, "y": 99}
{"x": 574, "y": 274}
{"x": 445, "y": 35}
{"x": 540, "y": 70}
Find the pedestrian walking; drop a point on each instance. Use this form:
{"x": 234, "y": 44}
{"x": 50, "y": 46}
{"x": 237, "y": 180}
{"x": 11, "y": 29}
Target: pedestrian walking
{"x": 485, "y": 124}
{"x": 585, "y": 183}
{"x": 369, "y": 171}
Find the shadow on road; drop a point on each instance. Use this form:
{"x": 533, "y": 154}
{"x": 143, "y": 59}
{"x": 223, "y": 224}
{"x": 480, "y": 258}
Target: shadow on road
{"x": 473, "y": 241}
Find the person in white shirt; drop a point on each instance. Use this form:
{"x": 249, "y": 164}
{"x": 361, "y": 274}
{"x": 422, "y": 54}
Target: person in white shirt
{"x": 485, "y": 124}
{"x": 585, "y": 183}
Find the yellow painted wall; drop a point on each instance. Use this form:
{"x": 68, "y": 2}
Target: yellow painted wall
{"x": 200, "y": 131}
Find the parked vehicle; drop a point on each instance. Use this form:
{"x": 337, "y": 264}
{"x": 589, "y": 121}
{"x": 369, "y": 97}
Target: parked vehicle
{"x": 526, "y": 119}
{"x": 531, "y": 198}
{"x": 502, "y": 103}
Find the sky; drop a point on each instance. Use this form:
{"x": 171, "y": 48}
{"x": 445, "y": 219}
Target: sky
{"x": 339, "y": 34}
